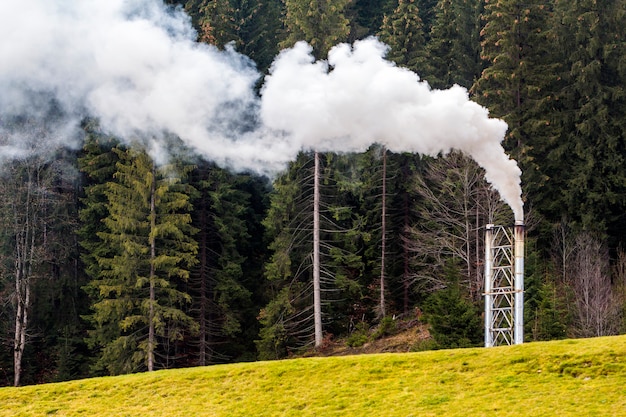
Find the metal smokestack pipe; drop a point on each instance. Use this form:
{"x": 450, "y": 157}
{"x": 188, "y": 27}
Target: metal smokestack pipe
{"x": 488, "y": 295}
{"x": 519, "y": 231}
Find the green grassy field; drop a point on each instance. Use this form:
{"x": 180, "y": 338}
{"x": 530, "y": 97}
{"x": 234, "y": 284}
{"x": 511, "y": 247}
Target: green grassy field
{"x": 584, "y": 377}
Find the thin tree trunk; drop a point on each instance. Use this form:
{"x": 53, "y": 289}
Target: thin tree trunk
{"x": 151, "y": 335}
{"x": 204, "y": 336}
{"x": 405, "y": 254}
{"x": 21, "y": 325}
{"x": 317, "y": 303}
{"x": 25, "y": 249}
{"x": 204, "y": 301}
{"x": 20, "y": 312}
{"x": 21, "y": 322}
{"x": 383, "y": 239}
{"x": 478, "y": 278}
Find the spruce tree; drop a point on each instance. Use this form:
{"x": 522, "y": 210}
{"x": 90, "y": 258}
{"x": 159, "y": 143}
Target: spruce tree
{"x": 454, "y": 45}
{"x": 427, "y": 13}
{"x": 454, "y": 320}
{"x": 366, "y": 16}
{"x": 365, "y": 184}
{"x": 403, "y": 213}
{"x": 286, "y": 321}
{"x": 251, "y": 26}
{"x": 321, "y": 23}
{"x": 592, "y": 127}
{"x": 215, "y": 21}
{"x": 97, "y": 163}
{"x": 403, "y": 31}
{"x": 259, "y": 28}
{"x": 139, "y": 308}
{"x": 517, "y": 84}
{"x": 372, "y": 174}
{"x": 220, "y": 298}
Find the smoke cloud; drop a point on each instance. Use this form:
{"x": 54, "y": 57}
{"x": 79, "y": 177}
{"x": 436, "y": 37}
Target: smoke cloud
{"x": 135, "y": 66}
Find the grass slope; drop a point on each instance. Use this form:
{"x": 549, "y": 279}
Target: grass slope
{"x": 566, "y": 378}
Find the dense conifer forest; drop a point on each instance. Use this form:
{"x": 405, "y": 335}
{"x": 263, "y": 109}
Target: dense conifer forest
{"x": 112, "y": 261}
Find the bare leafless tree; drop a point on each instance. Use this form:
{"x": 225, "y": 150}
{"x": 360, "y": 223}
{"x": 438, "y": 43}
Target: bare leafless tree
{"x": 456, "y": 204}
{"x": 595, "y": 302}
{"x": 29, "y": 210}
{"x": 563, "y": 249}
{"x": 619, "y": 282}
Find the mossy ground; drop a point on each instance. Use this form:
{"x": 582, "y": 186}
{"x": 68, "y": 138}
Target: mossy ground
{"x": 585, "y": 377}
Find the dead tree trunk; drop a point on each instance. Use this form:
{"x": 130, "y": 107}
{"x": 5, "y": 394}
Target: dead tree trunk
{"x": 26, "y": 203}
{"x": 151, "y": 314}
{"x": 317, "y": 303}
{"x": 383, "y": 237}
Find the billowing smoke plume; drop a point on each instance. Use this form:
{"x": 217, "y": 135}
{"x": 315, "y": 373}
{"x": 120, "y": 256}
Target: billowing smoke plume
{"x": 357, "y": 98}
{"x": 132, "y": 64}
{"x": 135, "y": 66}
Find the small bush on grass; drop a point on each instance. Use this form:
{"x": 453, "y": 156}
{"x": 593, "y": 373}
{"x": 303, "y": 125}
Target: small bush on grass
{"x": 359, "y": 336}
{"x": 387, "y": 327}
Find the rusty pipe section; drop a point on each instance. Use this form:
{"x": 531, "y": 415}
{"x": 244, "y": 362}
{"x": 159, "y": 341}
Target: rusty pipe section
{"x": 519, "y": 233}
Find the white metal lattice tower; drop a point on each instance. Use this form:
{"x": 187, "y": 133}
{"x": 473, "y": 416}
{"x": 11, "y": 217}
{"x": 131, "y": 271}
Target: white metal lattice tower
{"x": 504, "y": 285}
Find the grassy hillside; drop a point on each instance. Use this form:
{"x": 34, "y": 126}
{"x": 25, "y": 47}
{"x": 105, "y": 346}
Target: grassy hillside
{"x": 565, "y": 378}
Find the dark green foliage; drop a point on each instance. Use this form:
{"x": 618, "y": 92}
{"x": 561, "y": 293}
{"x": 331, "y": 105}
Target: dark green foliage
{"x": 352, "y": 244}
{"x": 403, "y": 31}
{"x": 438, "y": 40}
{"x": 215, "y": 21}
{"x": 259, "y": 30}
{"x": 365, "y": 185}
{"x": 454, "y": 48}
{"x": 216, "y": 285}
{"x": 97, "y": 164}
{"x": 545, "y": 313}
{"x": 276, "y": 337}
{"x": 286, "y": 321}
{"x": 321, "y": 23}
{"x": 592, "y": 123}
{"x": 403, "y": 213}
{"x": 359, "y": 336}
{"x": 555, "y": 74}
{"x": 515, "y": 84}
{"x": 386, "y": 327}
{"x": 252, "y": 26}
{"x": 454, "y": 320}
{"x": 366, "y": 16}
{"x": 427, "y": 14}
{"x": 550, "y": 319}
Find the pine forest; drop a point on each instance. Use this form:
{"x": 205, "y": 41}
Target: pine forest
{"x": 115, "y": 259}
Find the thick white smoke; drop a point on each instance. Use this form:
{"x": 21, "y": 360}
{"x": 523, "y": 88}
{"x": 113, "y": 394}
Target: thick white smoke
{"x": 357, "y": 98}
{"x": 135, "y": 66}
{"x": 132, "y": 64}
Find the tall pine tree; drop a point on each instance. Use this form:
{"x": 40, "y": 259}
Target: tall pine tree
{"x": 592, "y": 125}
{"x": 220, "y": 298}
{"x": 454, "y": 45}
{"x": 403, "y": 31}
{"x": 321, "y": 23}
{"x": 138, "y": 308}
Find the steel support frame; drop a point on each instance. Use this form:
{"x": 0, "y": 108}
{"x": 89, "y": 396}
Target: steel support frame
{"x": 504, "y": 285}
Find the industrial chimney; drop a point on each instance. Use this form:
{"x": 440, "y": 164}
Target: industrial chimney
{"x": 504, "y": 285}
